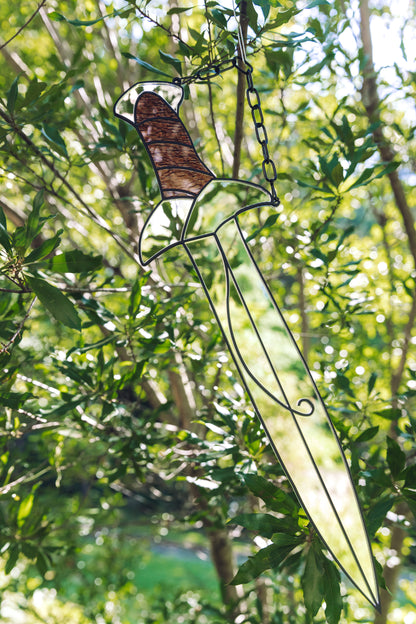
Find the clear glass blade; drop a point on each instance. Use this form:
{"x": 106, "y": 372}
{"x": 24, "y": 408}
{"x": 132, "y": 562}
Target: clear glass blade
{"x": 281, "y": 389}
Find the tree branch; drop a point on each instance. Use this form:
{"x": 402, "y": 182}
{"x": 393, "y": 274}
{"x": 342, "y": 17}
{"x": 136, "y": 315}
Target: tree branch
{"x": 5, "y": 347}
{"x": 11, "y": 214}
{"x": 371, "y": 103}
{"x": 241, "y": 94}
{"x": 153, "y": 21}
{"x": 16, "y": 63}
{"x": 211, "y": 113}
{"x": 24, "y": 25}
{"x": 391, "y": 573}
{"x": 305, "y": 336}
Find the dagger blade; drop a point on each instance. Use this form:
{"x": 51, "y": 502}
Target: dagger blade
{"x": 286, "y": 400}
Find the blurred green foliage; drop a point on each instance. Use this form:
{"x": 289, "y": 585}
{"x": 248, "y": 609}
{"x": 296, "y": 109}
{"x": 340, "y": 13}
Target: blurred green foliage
{"x": 117, "y": 398}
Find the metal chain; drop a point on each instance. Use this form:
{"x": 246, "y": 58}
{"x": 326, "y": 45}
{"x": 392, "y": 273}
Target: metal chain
{"x": 253, "y": 99}
{"x": 268, "y": 166}
{"x": 206, "y": 73}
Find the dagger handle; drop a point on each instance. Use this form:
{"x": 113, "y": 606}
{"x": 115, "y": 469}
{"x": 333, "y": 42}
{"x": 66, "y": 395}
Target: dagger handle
{"x": 179, "y": 170}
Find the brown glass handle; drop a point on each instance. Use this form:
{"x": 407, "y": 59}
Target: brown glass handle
{"x": 179, "y": 170}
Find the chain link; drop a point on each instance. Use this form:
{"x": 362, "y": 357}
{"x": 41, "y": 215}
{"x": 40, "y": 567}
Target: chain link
{"x": 253, "y": 100}
{"x": 205, "y": 74}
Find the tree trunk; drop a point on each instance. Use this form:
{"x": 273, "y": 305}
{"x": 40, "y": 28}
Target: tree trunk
{"x": 220, "y": 544}
{"x": 371, "y": 103}
{"x": 391, "y": 572}
{"x": 241, "y": 93}
{"x": 223, "y": 558}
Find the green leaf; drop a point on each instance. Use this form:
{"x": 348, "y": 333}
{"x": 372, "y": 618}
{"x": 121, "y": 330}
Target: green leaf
{"x": 29, "y": 550}
{"x": 410, "y": 479}
{"x": 265, "y": 7}
{"x": 58, "y": 17}
{"x": 78, "y": 84}
{"x": 42, "y": 563}
{"x": 24, "y": 236}
{"x": 44, "y": 249}
{"x": 219, "y": 18}
{"x": 312, "y": 581}
{"x": 38, "y": 200}
{"x": 25, "y": 508}
{"x": 332, "y": 591}
{"x": 346, "y": 134}
{"x": 371, "y": 382}
{"x": 316, "y": 68}
{"x": 379, "y": 573}
{"x": 32, "y": 224}
{"x": 252, "y": 16}
{"x": 12, "y": 95}
{"x": 199, "y": 40}
{"x": 368, "y": 434}
{"x": 14, "y": 400}
{"x": 263, "y": 523}
{"x": 3, "y": 221}
{"x": 73, "y": 261}
{"x": 171, "y": 60}
{"x": 34, "y": 90}
{"x": 11, "y": 561}
{"x": 343, "y": 383}
{"x": 338, "y": 174}
{"x": 377, "y": 514}
{"x": 135, "y": 297}
{"x": 283, "y": 17}
{"x": 363, "y": 179}
{"x": 94, "y": 345}
{"x": 267, "y": 558}
{"x": 270, "y": 221}
{"x": 177, "y": 10}
{"x": 145, "y": 65}
{"x": 391, "y": 166}
{"x": 396, "y": 458}
{"x": 276, "y": 499}
{"x": 66, "y": 407}
{"x": 260, "y": 486}
{"x": 390, "y": 413}
{"x": 5, "y": 239}
{"x": 54, "y": 137}
{"x": 57, "y": 304}
{"x": 315, "y": 3}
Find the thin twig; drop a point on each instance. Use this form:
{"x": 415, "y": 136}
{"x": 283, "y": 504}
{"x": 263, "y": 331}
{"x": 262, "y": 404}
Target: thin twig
{"x": 24, "y": 25}
{"x": 211, "y": 113}
{"x": 5, "y": 347}
{"x": 21, "y": 291}
{"x": 95, "y": 290}
{"x": 241, "y": 92}
{"x": 329, "y": 218}
{"x": 26, "y": 478}
{"x": 159, "y": 25}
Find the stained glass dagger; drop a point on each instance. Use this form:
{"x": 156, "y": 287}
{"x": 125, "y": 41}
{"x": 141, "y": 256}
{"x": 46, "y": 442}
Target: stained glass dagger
{"x": 206, "y": 216}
